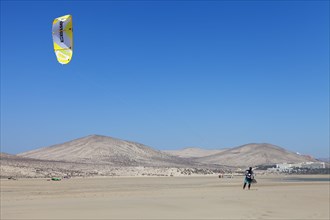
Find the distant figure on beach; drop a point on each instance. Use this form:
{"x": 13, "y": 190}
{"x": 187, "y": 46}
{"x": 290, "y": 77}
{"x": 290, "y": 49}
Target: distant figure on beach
{"x": 248, "y": 178}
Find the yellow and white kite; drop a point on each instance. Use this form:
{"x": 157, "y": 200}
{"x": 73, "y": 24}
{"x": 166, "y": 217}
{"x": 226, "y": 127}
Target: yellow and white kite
{"x": 63, "y": 38}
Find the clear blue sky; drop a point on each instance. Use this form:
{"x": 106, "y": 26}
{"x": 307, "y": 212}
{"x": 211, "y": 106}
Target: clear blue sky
{"x": 168, "y": 74}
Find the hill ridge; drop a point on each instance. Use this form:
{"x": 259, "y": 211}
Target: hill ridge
{"x": 102, "y": 149}
{"x": 254, "y": 154}
{"x": 105, "y": 150}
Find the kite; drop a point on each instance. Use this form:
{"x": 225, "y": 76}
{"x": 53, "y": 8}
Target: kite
{"x": 63, "y": 38}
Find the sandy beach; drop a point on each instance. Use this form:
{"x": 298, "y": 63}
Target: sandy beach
{"x": 273, "y": 197}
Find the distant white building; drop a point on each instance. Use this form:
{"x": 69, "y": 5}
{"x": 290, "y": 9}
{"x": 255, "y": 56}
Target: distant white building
{"x": 313, "y": 165}
{"x": 287, "y": 167}
{"x": 284, "y": 167}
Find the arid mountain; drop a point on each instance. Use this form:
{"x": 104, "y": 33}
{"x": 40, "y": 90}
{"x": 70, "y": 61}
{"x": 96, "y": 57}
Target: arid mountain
{"x": 98, "y": 149}
{"x": 253, "y": 155}
{"x": 190, "y": 152}
{"x": 105, "y": 156}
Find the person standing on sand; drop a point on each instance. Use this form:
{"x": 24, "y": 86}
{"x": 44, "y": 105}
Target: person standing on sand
{"x": 248, "y": 178}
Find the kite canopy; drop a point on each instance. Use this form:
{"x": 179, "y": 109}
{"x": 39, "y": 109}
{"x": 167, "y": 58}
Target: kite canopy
{"x": 63, "y": 38}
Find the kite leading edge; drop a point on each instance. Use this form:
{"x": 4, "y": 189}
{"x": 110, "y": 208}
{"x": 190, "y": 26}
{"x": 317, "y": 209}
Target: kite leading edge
{"x": 63, "y": 38}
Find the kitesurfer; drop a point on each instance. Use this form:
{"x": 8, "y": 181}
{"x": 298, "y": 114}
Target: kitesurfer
{"x": 248, "y": 178}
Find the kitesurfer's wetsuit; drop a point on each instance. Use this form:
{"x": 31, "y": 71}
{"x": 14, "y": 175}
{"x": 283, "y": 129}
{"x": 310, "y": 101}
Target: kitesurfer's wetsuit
{"x": 248, "y": 178}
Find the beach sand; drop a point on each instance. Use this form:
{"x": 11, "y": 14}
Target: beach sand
{"x": 164, "y": 198}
